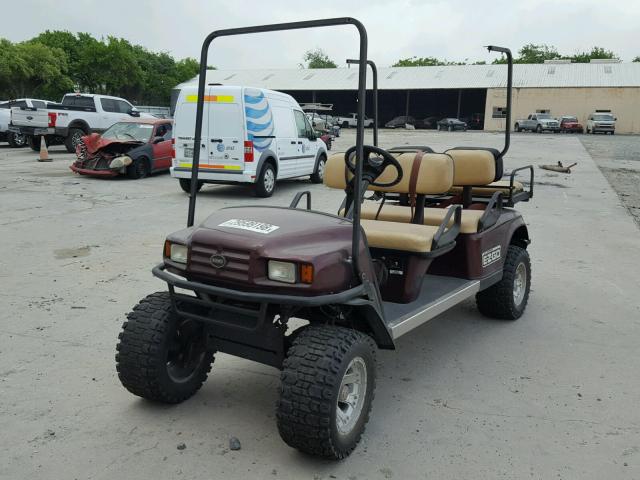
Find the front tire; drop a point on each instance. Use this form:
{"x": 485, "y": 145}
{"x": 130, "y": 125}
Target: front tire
{"x": 516, "y": 127}
{"x": 327, "y": 388}
{"x": 266, "y": 183}
{"x": 539, "y": 129}
{"x": 318, "y": 175}
{"x": 73, "y": 139}
{"x": 139, "y": 168}
{"x": 507, "y": 299}
{"x": 160, "y": 356}
{"x": 185, "y": 185}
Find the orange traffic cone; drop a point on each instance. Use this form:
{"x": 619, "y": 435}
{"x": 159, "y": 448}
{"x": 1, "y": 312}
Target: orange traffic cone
{"x": 44, "y": 153}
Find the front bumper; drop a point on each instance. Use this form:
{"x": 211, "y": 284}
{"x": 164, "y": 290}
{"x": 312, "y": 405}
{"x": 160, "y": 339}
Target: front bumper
{"x": 94, "y": 173}
{"x": 176, "y": 281}
{"x": 218, "y": 176}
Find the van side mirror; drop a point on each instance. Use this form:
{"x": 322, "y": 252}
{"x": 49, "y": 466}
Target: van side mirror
{"x": 134, "y": 112}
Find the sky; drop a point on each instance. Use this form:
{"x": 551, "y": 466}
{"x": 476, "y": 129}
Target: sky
{"x": 453, "y": 30}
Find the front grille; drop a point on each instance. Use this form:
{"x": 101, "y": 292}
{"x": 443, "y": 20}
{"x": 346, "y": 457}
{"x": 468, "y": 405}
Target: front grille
{"x": 236, "y": 267}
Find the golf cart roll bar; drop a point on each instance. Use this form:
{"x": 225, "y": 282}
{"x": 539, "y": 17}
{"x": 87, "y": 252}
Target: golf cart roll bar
{"x": 507, "y": 130}
{"x": 362, "y": 83}
{"x": 374, "y": 71}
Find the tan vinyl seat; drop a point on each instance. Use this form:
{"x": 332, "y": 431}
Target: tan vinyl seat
{"x": 491, "y": 188}
{"x": 407, "y": 237}
{"x": 432, "y": 216}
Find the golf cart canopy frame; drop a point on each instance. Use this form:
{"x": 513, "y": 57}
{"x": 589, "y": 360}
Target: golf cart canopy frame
{"x": 362, "y": 82}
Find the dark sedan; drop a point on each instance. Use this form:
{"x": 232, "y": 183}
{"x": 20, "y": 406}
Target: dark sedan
{"x": 401, "y": 122}
{"x": 451, "y": 124}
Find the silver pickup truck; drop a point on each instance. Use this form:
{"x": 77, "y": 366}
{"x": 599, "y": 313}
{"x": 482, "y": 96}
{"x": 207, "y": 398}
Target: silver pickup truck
{"x": 538, "y": 122}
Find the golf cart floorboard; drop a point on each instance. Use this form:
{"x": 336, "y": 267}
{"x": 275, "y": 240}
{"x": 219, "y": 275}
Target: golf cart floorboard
{"x": 438, "y": 294}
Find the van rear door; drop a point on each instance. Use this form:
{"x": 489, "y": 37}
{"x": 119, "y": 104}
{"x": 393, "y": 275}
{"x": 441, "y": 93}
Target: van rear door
{"x": 225, "y": 136}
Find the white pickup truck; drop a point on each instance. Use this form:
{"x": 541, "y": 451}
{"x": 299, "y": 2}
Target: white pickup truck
{"x": 351, "y": 120}
{"x": 78, "y": 114}
{"x": 16, "y": 139}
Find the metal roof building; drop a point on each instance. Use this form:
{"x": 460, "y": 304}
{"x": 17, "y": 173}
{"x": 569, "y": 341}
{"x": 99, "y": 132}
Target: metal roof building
{"x": 463, "y": 90}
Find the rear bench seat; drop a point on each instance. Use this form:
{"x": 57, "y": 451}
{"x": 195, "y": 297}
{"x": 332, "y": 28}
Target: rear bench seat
{"x": 434, "y": 176}
{"x": 471, "y": 167}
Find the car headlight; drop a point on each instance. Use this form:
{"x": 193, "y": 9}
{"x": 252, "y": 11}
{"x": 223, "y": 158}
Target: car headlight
{"x": 176, "y": 252}
{"x": 282, "y": 271}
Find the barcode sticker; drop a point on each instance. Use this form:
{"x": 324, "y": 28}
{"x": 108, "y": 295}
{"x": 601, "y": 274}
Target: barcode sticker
{"x": 251, "y": 225}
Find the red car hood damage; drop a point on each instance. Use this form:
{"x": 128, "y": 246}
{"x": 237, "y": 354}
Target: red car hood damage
{"x": 95, "y": 142}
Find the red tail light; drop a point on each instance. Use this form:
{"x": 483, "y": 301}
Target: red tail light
{"x": 53, "y": 116}
{"x": 173, "y": 148}
{"x": 248, "y": 151}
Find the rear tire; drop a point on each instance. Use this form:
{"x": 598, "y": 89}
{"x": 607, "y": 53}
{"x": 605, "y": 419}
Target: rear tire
{"x": 318, "y": 175}
{"x": 16, "y": 140}
{"x": 185, "y": 185}
{"x": 266, "y": 183}
{"x": 516, "y": 127}
{"x": 327, "y": 387}
{"x": 539, "y": 129}
{"x": 139, "y": 168}
{"x": 161, "y": 356}
{"x": 34, "y": 142}
{"x": 507, "y": 299}
{"x": 73, "y": 139}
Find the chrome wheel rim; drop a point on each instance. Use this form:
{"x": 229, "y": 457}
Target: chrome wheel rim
{"x": 76, "y": 139}
{"x": 519, "y": 284}
{"x": 19, "y": 140}
{"x": 269, "y": 180}
{"x": 351, "y": 396}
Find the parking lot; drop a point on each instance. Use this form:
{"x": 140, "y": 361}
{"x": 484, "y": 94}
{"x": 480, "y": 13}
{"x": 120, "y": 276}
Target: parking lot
{"x": 553, "y": 395}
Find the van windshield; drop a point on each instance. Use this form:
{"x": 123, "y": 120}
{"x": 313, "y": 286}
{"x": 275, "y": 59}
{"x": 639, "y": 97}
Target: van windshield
{"x": 604, "y": 117}
{"x": 138, "y": 132}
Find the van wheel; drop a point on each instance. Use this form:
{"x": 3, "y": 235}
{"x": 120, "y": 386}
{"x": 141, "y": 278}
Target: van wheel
{"x": 73, "y": 139}
{"x": 326, "y": 391}
{"x": 345, "y": 124}
{"x": 318, "y": 175}
{"x": 266, "y": 184}
{"x": 507, "y": 299}
{"x": 185, "y": 185}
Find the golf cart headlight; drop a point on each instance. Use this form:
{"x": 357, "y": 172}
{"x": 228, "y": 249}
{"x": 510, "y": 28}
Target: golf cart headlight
{"x": 282, "y": 271}
{"x": 176, "y": 252}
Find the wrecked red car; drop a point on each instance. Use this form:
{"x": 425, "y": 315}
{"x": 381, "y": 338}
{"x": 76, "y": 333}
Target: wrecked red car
{"x": 134, "y": 148}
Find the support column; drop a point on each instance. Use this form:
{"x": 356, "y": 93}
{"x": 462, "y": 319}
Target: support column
{"x": 406, "y": 108}
{"x": 459, "y": 102}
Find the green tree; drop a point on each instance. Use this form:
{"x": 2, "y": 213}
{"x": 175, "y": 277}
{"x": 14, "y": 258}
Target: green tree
{"x": 14, "y": 70}
{"x": 318, "y": 59}
{"x": 594, "y": 53}
{"x": 424, "y": 62}
{"x": 532, "y": 53}
{"x": 637, "y": 59}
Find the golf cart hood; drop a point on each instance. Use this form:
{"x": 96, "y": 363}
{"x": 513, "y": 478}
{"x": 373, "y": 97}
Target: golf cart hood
{"x": 244, "y": 239}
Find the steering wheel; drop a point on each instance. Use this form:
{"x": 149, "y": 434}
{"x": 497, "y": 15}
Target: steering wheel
{"x": 374, "y": 166}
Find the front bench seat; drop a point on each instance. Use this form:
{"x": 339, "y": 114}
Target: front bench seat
{"x": 434, "y": 176}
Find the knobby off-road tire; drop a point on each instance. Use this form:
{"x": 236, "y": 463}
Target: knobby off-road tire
{"x": 327, "y": 387}
{"x": 507, "y": 299}
{"x": 160, "y": 356}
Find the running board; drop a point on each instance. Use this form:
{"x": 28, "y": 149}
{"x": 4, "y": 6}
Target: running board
{"x": 438, "y": 294}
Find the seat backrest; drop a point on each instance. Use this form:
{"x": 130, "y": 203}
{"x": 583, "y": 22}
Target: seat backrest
{"x": 475, "y": 166}
{"x": 434, "y": 176}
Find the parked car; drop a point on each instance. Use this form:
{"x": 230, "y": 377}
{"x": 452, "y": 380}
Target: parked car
{"x": 570, "y": 123}
{"x": 351, "y": 120}
{"x": 249, "y": 135}
{"x": 429, "y": 122}
{"x": 538, "y": 122}
{"x": 475, "y": 121}
{"x": 451, "y": 124}
{"x": 16, "y": 139}
{"x": 75, "y": 116}
{"x": 601, "y": 122}
{"x": 134, "y": 147}
{"x": 401, "y": 122}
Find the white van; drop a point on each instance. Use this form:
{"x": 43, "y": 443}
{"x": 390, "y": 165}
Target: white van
{"x": 249, "y": 135}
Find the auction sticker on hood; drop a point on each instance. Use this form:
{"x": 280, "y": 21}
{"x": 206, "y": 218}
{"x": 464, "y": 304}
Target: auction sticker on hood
{"x": 251, "y": 225}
